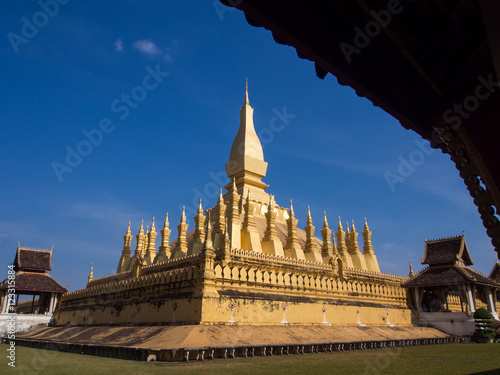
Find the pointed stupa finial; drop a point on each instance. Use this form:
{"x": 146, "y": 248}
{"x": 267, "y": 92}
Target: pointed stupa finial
{"x": 353, "y": 229}
{"x": 340, "y": 226}
{"x": 153, "y": 225}
{"x": 183, "y": 216}
{"x": 147, "y": 228}
{"x": 91, "y": 274}
{"x": 411, "y": 274}
{"x": 325, "y": 221}
{"x": 141, "y": 229}
{"x": 271, "y": 198}
{"x": 128, "y": 229}
{"x": 234, "y": 184}
{"x": 220, "y": 196}
{"x": 309, "y": 218}
{"x": 246, "y": 92}
{"x": 291, "y": 208}
{"x": 347, "y": 227}
{"x": 200, "y": 208}
{"x": 165, "y": 224}
{"x": 366, "y": 226}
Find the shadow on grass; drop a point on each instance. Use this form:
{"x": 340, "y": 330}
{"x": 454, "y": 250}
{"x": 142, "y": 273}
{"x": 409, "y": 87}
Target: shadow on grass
{"x": 490, "y": 372}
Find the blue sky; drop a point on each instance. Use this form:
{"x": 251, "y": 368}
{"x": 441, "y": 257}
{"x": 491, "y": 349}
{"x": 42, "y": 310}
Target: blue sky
{"x": 168, "y": 146}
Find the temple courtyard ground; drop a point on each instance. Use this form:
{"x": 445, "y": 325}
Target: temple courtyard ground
{"x": 453, "y": 359}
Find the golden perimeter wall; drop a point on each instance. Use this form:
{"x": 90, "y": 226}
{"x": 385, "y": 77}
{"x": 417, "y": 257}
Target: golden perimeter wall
{"x": 238, "y": 287}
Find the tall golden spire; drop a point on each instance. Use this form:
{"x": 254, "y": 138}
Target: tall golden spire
{"x": 411, "y": 274}
{"x": 246, "y": 159}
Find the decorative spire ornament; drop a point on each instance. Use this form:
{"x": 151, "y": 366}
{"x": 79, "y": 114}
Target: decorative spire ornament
{"x": 199, "y": 233}
{"x": 164, "y": 250}
{"x": 368, "y": 253}
{"x": 326, "y": 232}
{"x": 271, "y": 244}
{"x": 233, "y": 216}
{"x": 123, "y": 263}
{"x": 292, "y": 246}
{"x": 342, "y": 246}
{"x": 250, "y": 238}
{"x": 151, "y": 250}
{"x": 91, "y": 274}
{"x": 181, "y": 249}
{"x": 311, "y": 251}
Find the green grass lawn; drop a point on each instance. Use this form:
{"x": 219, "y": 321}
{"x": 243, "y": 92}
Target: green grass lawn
{"x": 433, "y": 359}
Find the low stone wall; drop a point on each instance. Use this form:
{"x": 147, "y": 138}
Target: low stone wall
{"x": 23, "y": 322}
{"x": 225, "y": 352}
{"x": 453, "y": 323}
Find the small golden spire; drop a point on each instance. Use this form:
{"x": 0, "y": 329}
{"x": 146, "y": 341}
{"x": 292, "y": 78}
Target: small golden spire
{"x": 291, "y": 208}
{"x": 147, "y": 228}
{"x": 141, "y": 229}
{"x": 366, "y": 226}
{"x": 220, "y": 196}
{"x": 309, "y": 218}
{"x": 91, "y": 274}
{"x": 339, "y": 228}
{"x": 153, "y": 225}
{"x": 352, "y": 226}
{"x": 325, "y": 221}
{"x": 200, "y": 208}
{"x": 166, "y": 223}
{"x": 411, "y": 274}
{"x": 183, "y": 216}
{"x": 128, "y": 229}
{"x": 208, "y": 233}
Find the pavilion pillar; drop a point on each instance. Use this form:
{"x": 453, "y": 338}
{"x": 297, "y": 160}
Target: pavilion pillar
{"x": 470, "y": 300}
{"x": 490, "y": 303}
{"x": 51, "y": 306}
{"x": 4, "y": 302}
{"x": 416, "y": 298}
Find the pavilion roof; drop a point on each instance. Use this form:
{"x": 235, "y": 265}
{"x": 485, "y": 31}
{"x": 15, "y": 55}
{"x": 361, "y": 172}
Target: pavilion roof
{"x": 449, "y": 275}
{"x": 448, "y": 250}
{"x": 31, "y": 282}
{"x": 33, "y": 259}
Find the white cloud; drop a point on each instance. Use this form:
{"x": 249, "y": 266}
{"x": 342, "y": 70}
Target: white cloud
{"x": 168, "y": 56}
{"x": 118, "y": 45}
{"x": 147, "y": 47}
